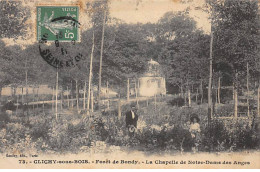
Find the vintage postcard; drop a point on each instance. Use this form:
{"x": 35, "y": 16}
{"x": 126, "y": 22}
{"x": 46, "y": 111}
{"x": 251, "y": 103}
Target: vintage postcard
{"x": 129, "y": 84}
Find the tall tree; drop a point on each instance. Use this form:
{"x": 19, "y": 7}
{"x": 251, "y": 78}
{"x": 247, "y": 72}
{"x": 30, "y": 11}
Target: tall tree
{"x": 236, "y": 37}
{"x": 185, "y": 49}
{"x": 12, "y": 18}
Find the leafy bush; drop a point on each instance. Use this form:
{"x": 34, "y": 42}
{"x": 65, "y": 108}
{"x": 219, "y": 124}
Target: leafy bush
{"x": 224, "y": 110}
{"x": 179, "y": 101}
{"x": 165, "y": 139}
{"x": 4, "y": 118}
{"x": 162, "y": 128}
{"x": 199, "y": 96}
{"x": 15, "y": 138}
{"x": 230, "y": 135}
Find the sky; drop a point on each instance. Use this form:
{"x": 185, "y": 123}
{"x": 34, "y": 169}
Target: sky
{"x": 153, "y": 10}
{"x": 129, "y": 11}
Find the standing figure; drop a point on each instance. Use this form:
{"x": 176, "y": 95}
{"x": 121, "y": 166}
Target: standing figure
{"x": 195, "y": 132}
{"x": 131, "y": 119}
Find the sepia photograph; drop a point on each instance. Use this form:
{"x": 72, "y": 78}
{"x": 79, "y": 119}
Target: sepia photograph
{"x": 129, "y": 84}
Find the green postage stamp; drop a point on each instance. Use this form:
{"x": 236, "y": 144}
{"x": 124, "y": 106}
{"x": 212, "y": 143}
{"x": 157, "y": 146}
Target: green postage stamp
{"x": 58, "y": 23}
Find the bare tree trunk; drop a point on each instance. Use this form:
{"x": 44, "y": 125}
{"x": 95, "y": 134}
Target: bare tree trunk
{"x": 77, "y": 94}
{"x": 57, "y": 89}
{"x": 201, "y": 91}
{"x": 0, "y": 92}
{"x": 128, "y": 89}
{"x": 258, "y": 101}
{"x": 52, "y": 103}
{"x": 107, "y": 95}
{"x": 43, "y": 105}
{"x": 185, "y": 98}
{"x": 181, "y": 89}
{"x": 138, "y": 87}
{"x": 37, "y": 97}
{"x": 90, "y": 71}
{"x": 210, "y": 81}
{"x": 219, "y": 86}
{"x": 216, "y": 96}
{"x": 13, "y": 92}
{"x": 119, "y": 108}
{"x": 233, "y": 92}
{"x": 71, "y": 95}
{"x": 61, "y": 99}
{"x": 22, "y": 97}
{"x": 155, "y": 101}
{"x": 101, "y": 56}
{"x": 189, "y": 97}
{"x": 26, "y": 86}
{"x": 84, "y": 95}
{"x": 107, "y": 91}
{"x": 247, "y": 85}
{"x": 68, "y": 97}
{"x": 33, "y": 97}
{"x": 235, "y": 103}
{"x": 197, "y": 96}
{"x": 92, "y": 101}
{"x": 17, "y": 98}
{"x": 136, "y": 97}
{"x": 108, "y": 104}
{"x": 235, "y": 96}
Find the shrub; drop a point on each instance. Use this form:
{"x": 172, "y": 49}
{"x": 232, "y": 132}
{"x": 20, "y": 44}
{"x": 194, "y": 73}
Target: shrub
{"x": 15, "y": 137}
{"x": 224, "y": 110}
{"x": 230, "y": 135}
{"x": 179, "y": 101}
{"x": 199, "y": 96}
{"x": 4, "y": 118}
{"x": 181, "y": 138}
{"x": 161, "y": 129}
{"x": 215, "y": 137}
{"x": 40, "y": 127}
{"x": 59, "y": 136}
